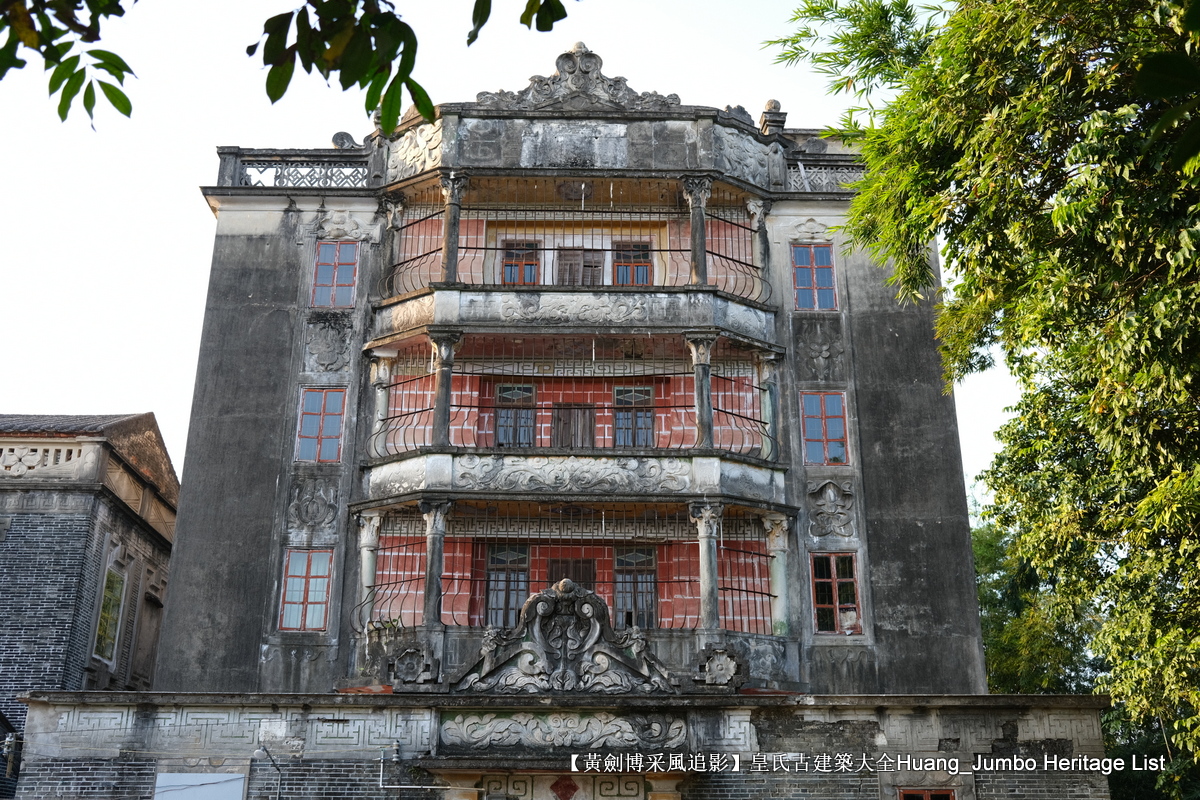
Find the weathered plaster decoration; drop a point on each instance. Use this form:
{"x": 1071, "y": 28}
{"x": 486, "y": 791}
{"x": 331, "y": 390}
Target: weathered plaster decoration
{"x": 419, "y": 149}
{"x": 577, "y": 85}
{"x": 529, "y": 307}
{"x": 824, "y": 358}
{"x": 811, "y": 231}
{"x": 564, "y": 642}
{"x": 743, "y": 156}
{"x": 408, "y": 314}
{"x": 822, "y": 179}
{"x": 46, "y": 502}
{"x": 831, "y": 508}
{"x": 314, "y": 503}
{"x": 328, "y": 349}
{"x": 564, "y": 729}
{"x": 340, "y": 225}
{"x": 567, "y": 474}
{"x": 394, "y": 657}
{"x": 737, "y": 732}
{"x": 721, "y": 666}
{"x": 47, "y": 460}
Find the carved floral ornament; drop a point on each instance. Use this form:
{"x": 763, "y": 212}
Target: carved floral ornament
{"x": 831, "y": 508}
{"x": 577, "y": 85}
{"x": 340, "y": 225}
{"x": 564, "y": 729}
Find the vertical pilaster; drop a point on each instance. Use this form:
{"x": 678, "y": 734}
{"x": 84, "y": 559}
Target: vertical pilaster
{"x": 383, "y": 362}
{"x": 435, "y": 538}
{"x": 777, "y": 548}
{"x": 769, "y": 403}
{"x": 453, "y": 187}
{"x": 444, "y": 344}
{"x": 707, "y": 517}
{"x": 368, "y": 548}
{"x": 758, "y": 210}
{"x": 701, "y": 346}
{"x": 697, "y": 190}
{"x": 664, "y": 786}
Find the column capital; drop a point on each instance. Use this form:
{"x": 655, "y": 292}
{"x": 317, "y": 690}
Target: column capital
{"x": 758, "y": 209}
{"x": 705, "y": 513}
{"x": 697, "y": 189}
{"x": 368, "y": 523}
{"x": 435, "y": 512}
{"x": 777, "y": 527}
{"x": 453, "y": 186}
{"x": 444, "y": 343}
{"x": 700, "y": 345}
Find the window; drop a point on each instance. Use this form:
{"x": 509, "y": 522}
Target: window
{"x": 824, "y": 428}
{"x": 580, "y": 268}
{"x": 514, "y": 416}
{"x": 835, "y": 593}
{"x": 109, "y": 625}
{"x": 812, "y": 271}
{"x": 633, "y": 414}
{"x": 305, "y": 605}
{"x": 337, "y": 268}
{"x": 507, "y": 584}
{"x": 574, "y": 426}
{"x": 631, "y": 264}
{"x": 520, "y": 265}
{"x": 580, "y": 571}
{"x": 320, "y": 435}
{"x": 636, "y": 589}
{"x": 926, "y": 794}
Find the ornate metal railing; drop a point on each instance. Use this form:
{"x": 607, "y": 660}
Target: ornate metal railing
{"x": 647, "y": 569}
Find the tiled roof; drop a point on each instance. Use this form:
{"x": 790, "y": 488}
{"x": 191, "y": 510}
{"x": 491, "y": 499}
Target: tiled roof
{"x": 59, "y": 423}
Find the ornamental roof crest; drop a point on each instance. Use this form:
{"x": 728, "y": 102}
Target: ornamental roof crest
{"x": 578, "y": 85}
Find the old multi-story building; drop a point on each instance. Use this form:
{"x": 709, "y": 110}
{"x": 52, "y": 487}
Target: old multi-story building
{"x": 87, "y": 518}
{"x": 548, "y": 438}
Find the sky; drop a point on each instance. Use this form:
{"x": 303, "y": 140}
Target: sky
{"x": 104, "y": 276}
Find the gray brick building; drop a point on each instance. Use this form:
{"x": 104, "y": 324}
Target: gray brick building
{"x": 558, "y": 448}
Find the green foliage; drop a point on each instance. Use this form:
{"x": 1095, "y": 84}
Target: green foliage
{"x": 1024, "y": 138}
{"x": 1033, "y": 643}
{"x": 363, "y": 42}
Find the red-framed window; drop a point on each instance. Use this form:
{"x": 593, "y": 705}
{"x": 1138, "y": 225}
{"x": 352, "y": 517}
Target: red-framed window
{"x": 835, "y": 593}
{"x": 632, "y": 265}
{"x": 812, "y": 273}
{"x": 336, "y": 273}
{"x": 926, "y": 794}
{"x": 521, "y": 266}
{"x": 305, "y": 603}
{"x": 824, "y": 427}
{"x": 320, "y": 434}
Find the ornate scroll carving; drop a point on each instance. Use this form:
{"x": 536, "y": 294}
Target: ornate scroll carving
{"x": 327, "y": 347}
{"x": 529, "y": 307}
{"x": 564, "y": 642}
{"x": 417, "y": 150}
{"x": 744, "y": 156}
{"x": 410, "y": 314}
{"x": 811, "y": 231}
{"x": 565, "y": 729}
{"x": 341, "y": 225}
{"x": 577, "y": 85}
{"x": 314, "y": 503}
{"x": 830, "y": 508}
{"x": 606, "y": 475}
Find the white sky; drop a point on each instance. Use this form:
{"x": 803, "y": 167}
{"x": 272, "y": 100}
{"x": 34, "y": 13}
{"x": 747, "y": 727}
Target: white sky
{"x": 105, "y": 270}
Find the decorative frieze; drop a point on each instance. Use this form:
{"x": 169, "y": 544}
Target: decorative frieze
{"x": 529, "y": 307}
{"x": 417, "y": 150}
{"x": 481, "y": 731}
{"x": 572, "y": 474}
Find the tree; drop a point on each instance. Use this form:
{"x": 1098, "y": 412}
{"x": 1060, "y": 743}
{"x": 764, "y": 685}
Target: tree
{"x": 363, "y": 42}
{"x": 1020, "y": 134}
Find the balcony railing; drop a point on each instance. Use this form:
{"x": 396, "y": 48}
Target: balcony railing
{"x": 506, "y": 240}
{"x": 823, "y": 178}
{"x": 647, "y": 569}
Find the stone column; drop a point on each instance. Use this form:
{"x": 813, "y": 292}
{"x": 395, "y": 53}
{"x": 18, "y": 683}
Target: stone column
{"x": 762, "y": 243}
{"x": 435, "y": 538}
{"x": 701, "y": 346}
{"x": 383, "y": 362}
{"x": 707, "y": 517}
{"x": 444, "y": 344}
{"x": 697, "y": 190}
{"x": 777, "y": 547}
{"x": 368, "y": 547}
{"x": 453, "y": 187}
{"x": 769, "y": 403}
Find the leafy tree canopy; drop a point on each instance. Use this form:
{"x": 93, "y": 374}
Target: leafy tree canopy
{"x": 1033, "y": 138}
{"x": 363, "y": 42}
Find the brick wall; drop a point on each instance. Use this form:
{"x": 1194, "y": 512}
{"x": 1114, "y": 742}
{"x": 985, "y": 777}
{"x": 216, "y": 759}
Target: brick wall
{"x": 88, "y": 779}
